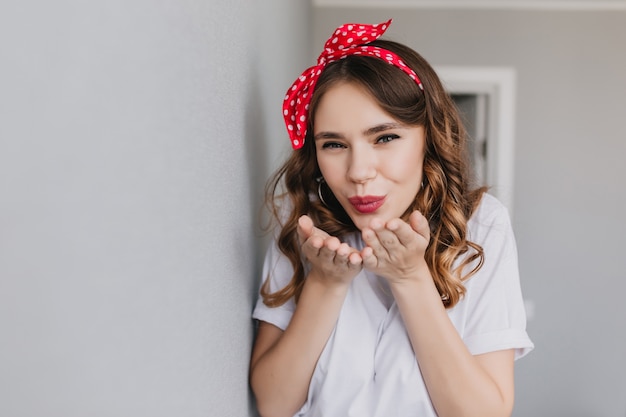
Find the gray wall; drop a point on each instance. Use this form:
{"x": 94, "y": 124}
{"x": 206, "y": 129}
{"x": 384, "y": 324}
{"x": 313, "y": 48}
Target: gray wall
{"x": 569, "y": 196}
{"x": 133, "y": 138}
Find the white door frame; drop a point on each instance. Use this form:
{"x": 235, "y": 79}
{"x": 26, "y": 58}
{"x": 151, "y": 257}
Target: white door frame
{"x": 498, "y": 83}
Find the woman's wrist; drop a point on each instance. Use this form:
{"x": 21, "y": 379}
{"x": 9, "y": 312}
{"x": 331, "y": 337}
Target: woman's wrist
{"x": 419, "y": 281}
{"x": 419, "y": 273}
{"x": 320, "y": 282}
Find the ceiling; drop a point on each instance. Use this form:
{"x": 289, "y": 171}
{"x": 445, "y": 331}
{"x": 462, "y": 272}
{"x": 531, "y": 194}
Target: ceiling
{"x": 481, "y": 4}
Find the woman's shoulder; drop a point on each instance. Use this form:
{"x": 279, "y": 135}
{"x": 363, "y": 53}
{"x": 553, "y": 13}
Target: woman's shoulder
{"x": 490, "y": 208}
{"x": 490, "y": 214}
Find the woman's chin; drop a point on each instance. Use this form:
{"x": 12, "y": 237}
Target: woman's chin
{"x": 362, "y": 221}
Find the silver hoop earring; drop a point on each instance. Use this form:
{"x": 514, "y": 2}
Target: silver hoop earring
{"x": 320, "y": 181}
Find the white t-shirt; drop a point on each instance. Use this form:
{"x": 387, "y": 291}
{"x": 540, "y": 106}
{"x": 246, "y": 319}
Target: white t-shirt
{"x": 368, "y": 367}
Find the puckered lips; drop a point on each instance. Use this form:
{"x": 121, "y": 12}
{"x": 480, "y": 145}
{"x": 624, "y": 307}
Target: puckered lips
{"x": 367, "y": 203}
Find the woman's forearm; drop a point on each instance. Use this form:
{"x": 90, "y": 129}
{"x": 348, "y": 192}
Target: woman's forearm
{"x": 458, "y": 384}
{"x": 280, "y": 376}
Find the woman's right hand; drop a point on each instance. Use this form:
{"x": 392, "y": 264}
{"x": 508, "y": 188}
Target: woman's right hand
{"x": 283, "y": 362}
{"x": 332, "y": 261}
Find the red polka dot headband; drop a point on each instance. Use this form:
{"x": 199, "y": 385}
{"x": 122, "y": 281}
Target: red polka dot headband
{"x": 348, "y": 39}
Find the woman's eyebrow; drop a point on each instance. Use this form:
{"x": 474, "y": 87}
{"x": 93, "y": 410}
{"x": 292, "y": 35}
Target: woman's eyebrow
{"x": 367, "y": 132}
{"x": 327, "y": 135}
{"x": 381, "y": 128}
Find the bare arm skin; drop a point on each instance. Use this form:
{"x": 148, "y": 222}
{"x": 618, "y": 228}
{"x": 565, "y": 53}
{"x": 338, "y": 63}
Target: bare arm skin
{"x": 282, "y": 363}
{"x": 459, "y": 384}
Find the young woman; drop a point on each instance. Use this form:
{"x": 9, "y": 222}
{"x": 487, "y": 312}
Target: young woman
{"x": 392, "y": 286}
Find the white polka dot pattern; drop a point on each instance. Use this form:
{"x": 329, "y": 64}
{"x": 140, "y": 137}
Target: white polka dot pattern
{"x": 348, "y": 39}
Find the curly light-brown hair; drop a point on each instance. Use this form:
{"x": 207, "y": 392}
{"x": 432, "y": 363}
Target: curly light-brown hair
{"x": 448, "y": 196}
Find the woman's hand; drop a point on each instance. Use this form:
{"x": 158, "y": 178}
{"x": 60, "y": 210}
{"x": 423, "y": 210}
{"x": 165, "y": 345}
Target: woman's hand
{"x": 331, "y": 260}
{"x": 283, "y": 362}
{"x": 395, "y": 250}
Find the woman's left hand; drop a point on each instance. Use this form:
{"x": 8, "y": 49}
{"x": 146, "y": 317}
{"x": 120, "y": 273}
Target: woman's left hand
{"x": 395, "y": 250}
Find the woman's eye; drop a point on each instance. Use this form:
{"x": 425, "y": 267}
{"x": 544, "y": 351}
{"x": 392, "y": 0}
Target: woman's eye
{"x": 332, "y": 145}
{"x": 386, "y": 138}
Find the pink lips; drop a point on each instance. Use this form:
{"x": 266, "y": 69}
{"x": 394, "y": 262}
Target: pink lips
{"x": 367, "y": 204}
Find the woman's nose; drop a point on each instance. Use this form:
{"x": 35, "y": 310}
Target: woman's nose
{"x": 362, "y": 165}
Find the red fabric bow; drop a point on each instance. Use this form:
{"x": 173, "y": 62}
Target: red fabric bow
{"x": 348, "y": 39}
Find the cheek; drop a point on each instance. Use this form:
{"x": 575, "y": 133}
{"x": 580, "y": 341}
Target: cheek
{"x": 331, "y": 169}
{"x": 405, "y": 169}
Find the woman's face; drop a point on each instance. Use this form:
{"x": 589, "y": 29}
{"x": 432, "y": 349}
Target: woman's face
{"x": 371, "y": 162}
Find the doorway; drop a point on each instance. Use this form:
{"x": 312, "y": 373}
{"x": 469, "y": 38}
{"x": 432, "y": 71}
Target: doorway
{"x": 485, "y": 97}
